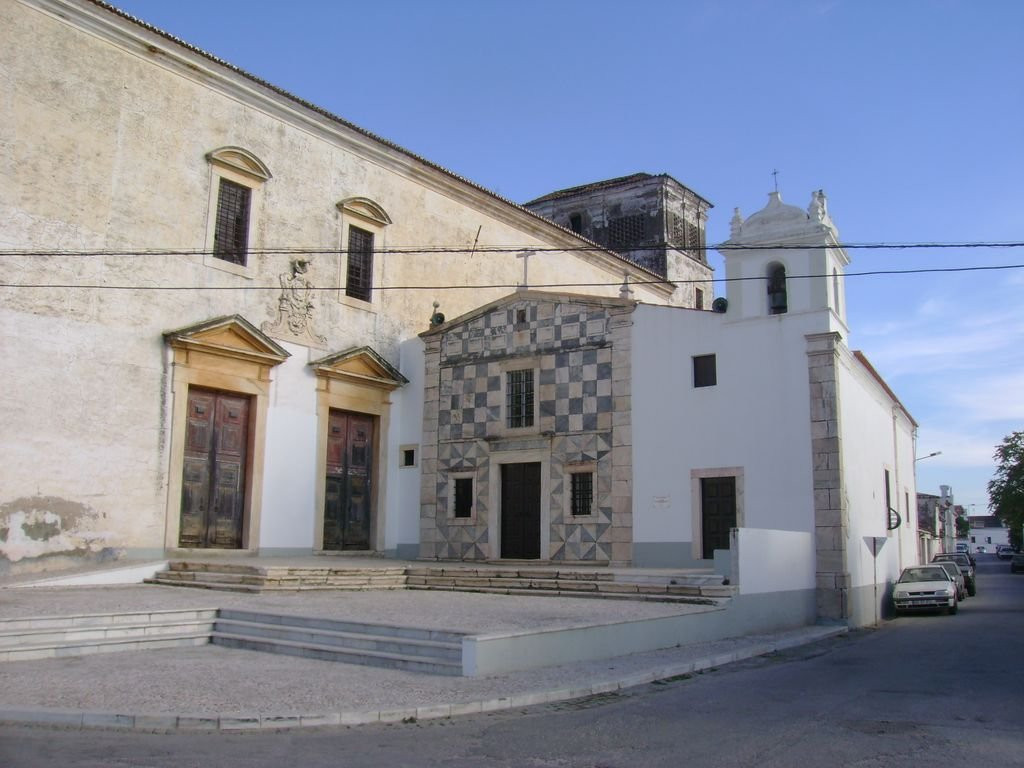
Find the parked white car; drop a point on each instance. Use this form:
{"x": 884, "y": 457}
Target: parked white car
{"x": 925, "y": 587}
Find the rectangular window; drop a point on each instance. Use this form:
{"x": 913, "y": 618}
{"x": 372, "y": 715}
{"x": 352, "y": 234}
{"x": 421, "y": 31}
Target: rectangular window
{"x": 519, "y": 398}
{"x": 231, "y": 230}
{"x": 705, "y": 372}
{"x": 582, "y": 493}
{"x": 463, "y": 506}
{"x": 698, "y": 298}
{"x": 408, "y": 456}
{"x": 359, "y": 280}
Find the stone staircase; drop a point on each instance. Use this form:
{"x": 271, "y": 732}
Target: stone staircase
{"x": 47, "y": 637}
{"x": 700, "y": 589}
{"x": 238, "y": 577}
{"x": 406, "y": 648}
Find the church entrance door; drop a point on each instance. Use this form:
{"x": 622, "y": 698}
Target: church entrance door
{"x": 347, "y": 500}
{"x": 213, "y": 483}
{"x": 520, "y": 511}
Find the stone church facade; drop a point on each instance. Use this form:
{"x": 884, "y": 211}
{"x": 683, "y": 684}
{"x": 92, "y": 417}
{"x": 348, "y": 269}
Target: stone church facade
{"x": 535, "y": 383}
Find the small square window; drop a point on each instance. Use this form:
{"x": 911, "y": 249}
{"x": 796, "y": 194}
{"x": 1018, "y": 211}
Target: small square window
{"x": 408, "y": 456}
{"x": 463, "y": 491}
{"x": 705, "y": 372}
{"x": 582, "y": 493}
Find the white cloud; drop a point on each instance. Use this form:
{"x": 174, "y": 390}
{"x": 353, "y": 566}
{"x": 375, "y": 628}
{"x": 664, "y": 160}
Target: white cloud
{"x": 959, "y": 449}
{"x": 997, "y": 397}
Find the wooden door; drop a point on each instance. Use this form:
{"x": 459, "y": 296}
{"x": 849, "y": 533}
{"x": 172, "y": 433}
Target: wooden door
{"x": 348, "y": 488}
{"x": 520, "y": 511}
{"x": 213, "y": 484}
{"x": 718, "y": 513}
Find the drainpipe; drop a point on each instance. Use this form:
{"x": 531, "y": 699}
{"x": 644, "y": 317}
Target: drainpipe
{"x": 896, "y": 480}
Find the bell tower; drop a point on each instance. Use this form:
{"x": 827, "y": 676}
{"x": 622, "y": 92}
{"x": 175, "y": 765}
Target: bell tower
{"x": 784, "y": 260}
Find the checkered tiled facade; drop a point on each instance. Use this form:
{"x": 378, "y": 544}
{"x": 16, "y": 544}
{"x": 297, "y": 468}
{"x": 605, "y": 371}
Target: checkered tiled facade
{"x": 580, "y": 351}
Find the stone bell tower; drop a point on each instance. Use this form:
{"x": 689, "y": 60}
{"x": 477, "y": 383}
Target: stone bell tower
{"x": 786, "y": 260}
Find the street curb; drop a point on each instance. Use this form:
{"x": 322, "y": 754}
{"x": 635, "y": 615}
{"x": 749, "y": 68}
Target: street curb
{"x": 238, "y": 723}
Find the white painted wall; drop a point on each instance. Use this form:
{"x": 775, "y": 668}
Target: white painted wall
{"x": 289, "y": 475}
{"x": 756, "y": 418}
{"x": 403, "y": 513}
{"x": 876, "y": 437}
{"x": 774, "y": 561}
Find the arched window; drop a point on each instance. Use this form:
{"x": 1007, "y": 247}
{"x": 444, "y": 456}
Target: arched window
{"x": 777, "y": 300}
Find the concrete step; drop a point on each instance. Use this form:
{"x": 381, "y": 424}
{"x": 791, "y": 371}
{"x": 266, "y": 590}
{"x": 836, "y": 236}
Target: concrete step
{"x": 45, "y": 637}
{"x": 352, "y": 641}
{"x": 341, "y": 625}
{"x": 339, "y": 654}
{"x": 648, "y": 597}
{"x": 84, "y": 635}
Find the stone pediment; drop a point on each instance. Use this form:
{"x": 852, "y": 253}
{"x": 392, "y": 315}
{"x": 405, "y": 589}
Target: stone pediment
{"x": 229, "y": 336}
{"x": 360, "y": 365}
{"x": 241, "y": 161}
{"x": 365, "y": 208}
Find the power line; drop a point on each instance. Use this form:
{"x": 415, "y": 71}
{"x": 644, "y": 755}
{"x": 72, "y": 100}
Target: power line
{"x": 512, "y": 286}
{"x": 432, "y": 249}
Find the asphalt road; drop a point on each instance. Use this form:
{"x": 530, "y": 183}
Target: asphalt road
{"x": 920, "y": 690}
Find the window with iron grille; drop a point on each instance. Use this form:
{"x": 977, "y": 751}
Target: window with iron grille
{"x": 705, "y": 371}
{"x": 358, "y": 282}
{"x": 231, "y": 231}
{"x": 519, "y": 398}
{"x": 582, "y": 493}
{"x": 463, "y": 506}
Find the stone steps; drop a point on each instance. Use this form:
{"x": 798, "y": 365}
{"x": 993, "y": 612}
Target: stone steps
{"x": 235, "y": 577}
{"x": 50, "y": 637}
{"x": 393, "y": 647}
{"x": 698, "y": 587}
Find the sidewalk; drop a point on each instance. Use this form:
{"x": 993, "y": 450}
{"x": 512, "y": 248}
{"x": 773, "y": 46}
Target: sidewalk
{"x": 214, "y": 688}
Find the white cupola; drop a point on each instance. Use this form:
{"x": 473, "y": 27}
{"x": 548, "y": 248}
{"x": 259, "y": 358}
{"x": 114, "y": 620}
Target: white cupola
{"x": 784, "y": 260}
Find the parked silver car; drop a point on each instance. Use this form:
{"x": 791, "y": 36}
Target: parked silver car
{"x": 925, "y": 587}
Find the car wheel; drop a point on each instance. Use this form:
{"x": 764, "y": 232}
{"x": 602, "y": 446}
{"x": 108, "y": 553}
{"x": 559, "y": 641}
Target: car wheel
{"x": 972, "y": 590}
{"x": 953, "y": 608}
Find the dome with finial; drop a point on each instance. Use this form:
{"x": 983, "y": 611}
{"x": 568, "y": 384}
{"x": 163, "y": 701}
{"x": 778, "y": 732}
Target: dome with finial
{"x": 777, "y": 220}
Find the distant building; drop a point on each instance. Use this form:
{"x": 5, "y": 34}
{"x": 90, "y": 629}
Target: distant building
{"x": 986, "y": 531}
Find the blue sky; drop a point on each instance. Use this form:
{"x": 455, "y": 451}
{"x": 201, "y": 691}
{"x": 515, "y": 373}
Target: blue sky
{"x": 909, "y": 114}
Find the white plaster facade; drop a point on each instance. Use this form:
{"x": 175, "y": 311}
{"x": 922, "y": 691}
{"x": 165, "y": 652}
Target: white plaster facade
{"x": 808, "y": 429}
{"x": 115, "y": 141}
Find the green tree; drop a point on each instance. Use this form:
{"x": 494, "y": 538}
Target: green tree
{"x": 1006, "y": 488}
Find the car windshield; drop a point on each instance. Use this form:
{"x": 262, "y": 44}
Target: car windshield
{"x": 924, "y": 574}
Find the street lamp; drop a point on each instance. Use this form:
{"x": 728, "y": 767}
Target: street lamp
{"x": 933, "y": 453}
